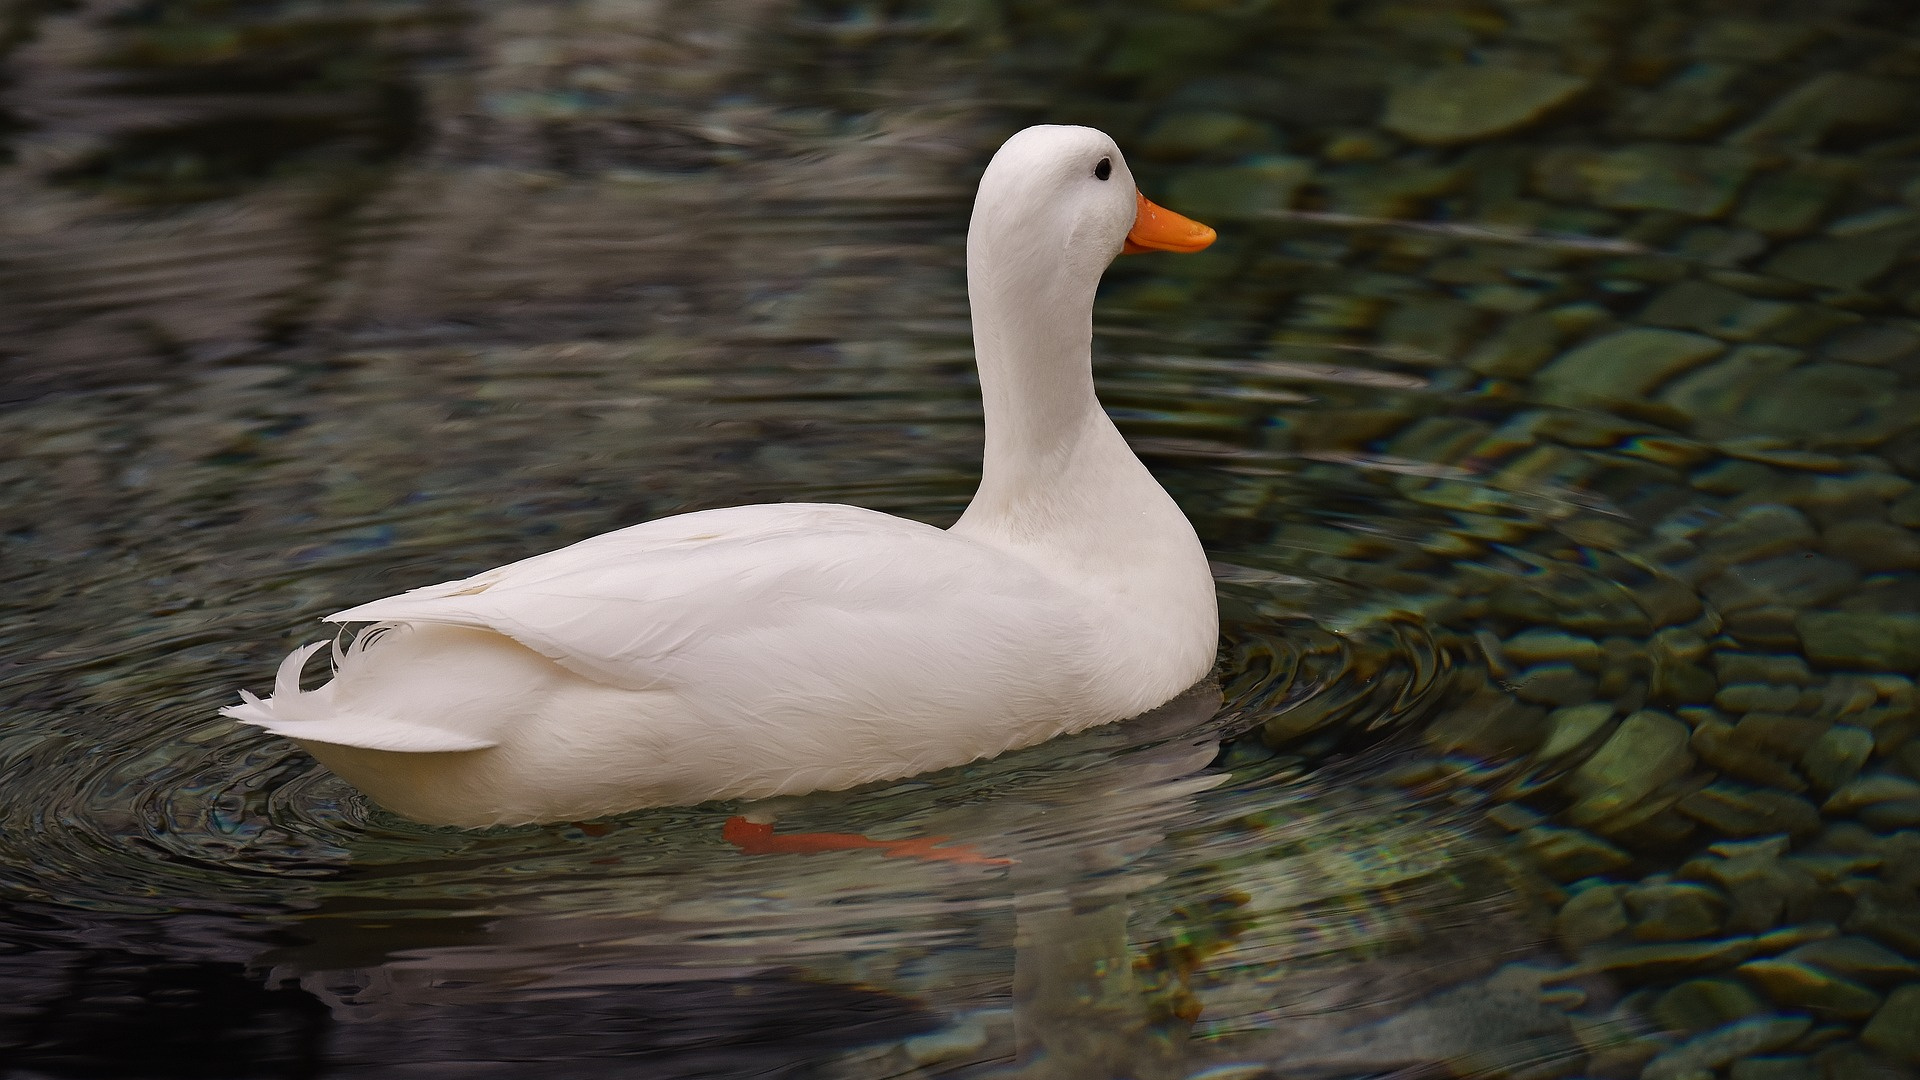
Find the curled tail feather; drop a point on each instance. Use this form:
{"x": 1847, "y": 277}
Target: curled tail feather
{"x": 286, "y": 702}
{"x": 310, "y": 715}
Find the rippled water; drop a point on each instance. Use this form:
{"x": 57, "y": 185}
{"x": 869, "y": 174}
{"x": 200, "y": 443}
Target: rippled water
{"x": 1556, "y": 451}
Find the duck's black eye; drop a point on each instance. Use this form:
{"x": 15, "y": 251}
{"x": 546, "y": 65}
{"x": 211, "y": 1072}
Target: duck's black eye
{"x": 1104, "y": 169}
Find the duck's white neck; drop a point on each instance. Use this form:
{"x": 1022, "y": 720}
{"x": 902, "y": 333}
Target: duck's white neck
{"x": 1033, "y": 340}
{"x": 1057, "y": 473}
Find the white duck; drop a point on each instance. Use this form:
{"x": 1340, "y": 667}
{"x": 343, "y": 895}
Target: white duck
{"x": 777, "y": 649}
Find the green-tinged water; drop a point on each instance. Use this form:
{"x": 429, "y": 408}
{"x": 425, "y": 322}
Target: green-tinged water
{"x": 1550, "y": 407}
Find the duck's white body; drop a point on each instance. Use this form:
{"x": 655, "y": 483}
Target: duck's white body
{"x": 776, "y": 649}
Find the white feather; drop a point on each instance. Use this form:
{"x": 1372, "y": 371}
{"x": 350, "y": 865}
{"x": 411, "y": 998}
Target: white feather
{"x": 766, "y": 650}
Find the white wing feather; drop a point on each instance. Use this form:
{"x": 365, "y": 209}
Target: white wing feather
{"x": 659, "y": 605}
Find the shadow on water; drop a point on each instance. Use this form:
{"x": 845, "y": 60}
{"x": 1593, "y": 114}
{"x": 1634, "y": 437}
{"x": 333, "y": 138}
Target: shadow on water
{"x": 1548, "y": 409}
{"x": 138, "y": 1014}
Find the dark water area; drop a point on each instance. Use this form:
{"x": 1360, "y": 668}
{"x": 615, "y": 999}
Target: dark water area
{"x": 1550, "y": 407}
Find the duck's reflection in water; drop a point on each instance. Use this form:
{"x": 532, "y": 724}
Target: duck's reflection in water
{"x": 1122, "y": 939}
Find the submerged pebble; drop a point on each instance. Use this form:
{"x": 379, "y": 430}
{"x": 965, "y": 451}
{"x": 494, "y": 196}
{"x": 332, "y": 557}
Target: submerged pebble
{"x": 1702, "y": 1004}
{"x": 1623, "y": 365}
{"x": 1724, "y": 1045}
{"x": 1895, "y": 1027}
{"x": 1462, "y": 104}
{"x": 1795, "y": 985}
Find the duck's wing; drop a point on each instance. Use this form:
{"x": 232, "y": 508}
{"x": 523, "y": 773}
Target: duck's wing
{"x": 791, "y": 584}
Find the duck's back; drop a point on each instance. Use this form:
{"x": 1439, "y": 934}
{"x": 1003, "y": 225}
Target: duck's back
{"x": 785, "y": 590}
{"x": 742, "y": 652}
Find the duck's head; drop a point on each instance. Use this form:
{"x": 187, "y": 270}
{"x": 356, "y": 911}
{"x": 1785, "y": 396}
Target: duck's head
{"x": 1064, "y": 194}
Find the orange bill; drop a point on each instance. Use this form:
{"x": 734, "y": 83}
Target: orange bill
{"x": 1156, "y": 228}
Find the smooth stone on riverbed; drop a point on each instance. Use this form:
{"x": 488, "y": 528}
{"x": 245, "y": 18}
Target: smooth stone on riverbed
{"x": 1837, "y": 756}
{"x": 1787, "y": 734}
{"x": 1646, "y": 751}
{"x": 1191, "y": 133}
{"x": 1768, "y": 449}
{"x": 1739, "y": 667}
{"x": 1700, "y": 181}
{"x": 1719, "y": 392}
{"x": 1840, "y": 262}
{"x": 1717, "y": 745}
{"x": 1746, "y": 697}
{"x": 1765, "y": 848}
{"x": 1461, "y": 104}
{"x": 1677, "y": 680}
{"x": 1731, "y": 477}
{"x": 1570, "y": 728}
{"x": 1884, "y": 912}
{"x": 1868, "y": 790}
{"x": 1797, "y": 580}
{"x": 1758, "y": 532}
{"x": 1852, "y": 492}
{"x": 1765, "y": 892}
{"x": 1827, "y": 401}
{"x": 1518, "y": 348}
{"x": 1737, "y": 811}
{"x": 1861, "y": 640}
{"x": 1531, "y": 647}
{"x": 1800, "y": 986}
{"x": 1855, "y": 958}
{"x": 1622, "y": 366}
{"x": 1895, "y": 1028}
{"x": 1892, "y": 814}
{"x": 1873, "y": 343}
{"x": 1265, "y": 183}
{"x": 1663, "y": 960}
{"x": 1801, "y": 118}
{"x": 1724, "y": 1045}
{"x": 1873, "y": 546}
{"x": 1489, "y": 725}
{"x": 1791, "y": 201}
{"x": 1905, "y": 511}
{"x": 1569, "y": 854}
{"x": 1675, "y": 911}
{"x": 1515, "y": 818}
{"x": 1716, "y": 310}
{"x": 1703, "y": 1004}
{"x": 1766, "y": 627}
{"x": 1791, "y": 937}
{"x": 1592, "y": 915}
{"x": 1553, "y": 684}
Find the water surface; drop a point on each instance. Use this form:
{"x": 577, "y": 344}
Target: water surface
{"x": 1548, "y": 407}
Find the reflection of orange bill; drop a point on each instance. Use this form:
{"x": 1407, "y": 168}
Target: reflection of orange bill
{"x": 1156, "y": 228}
{"x": 754, "y": 838}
